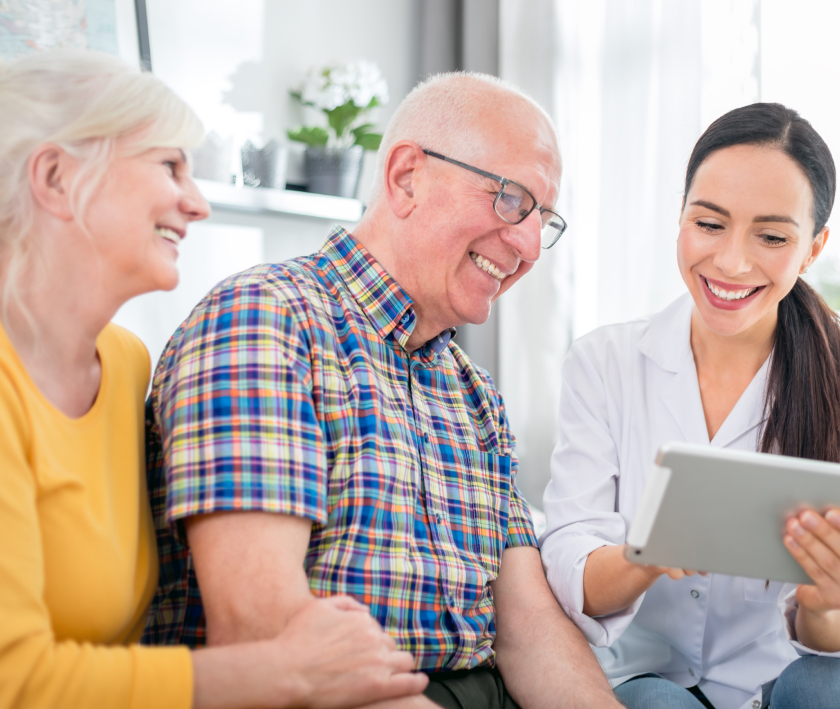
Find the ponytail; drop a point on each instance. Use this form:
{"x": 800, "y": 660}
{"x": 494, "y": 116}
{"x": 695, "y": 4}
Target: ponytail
{"x": 802, "y": 400}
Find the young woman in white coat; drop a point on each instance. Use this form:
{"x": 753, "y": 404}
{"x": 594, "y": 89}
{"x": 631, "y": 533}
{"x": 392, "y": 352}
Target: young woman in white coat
{"x": 749, "y": 359}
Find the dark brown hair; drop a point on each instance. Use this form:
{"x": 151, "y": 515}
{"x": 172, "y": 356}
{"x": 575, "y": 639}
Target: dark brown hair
{"x": 802, "y": 400}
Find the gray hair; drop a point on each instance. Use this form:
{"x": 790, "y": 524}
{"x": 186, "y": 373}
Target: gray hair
{"x": 83, "y": 102}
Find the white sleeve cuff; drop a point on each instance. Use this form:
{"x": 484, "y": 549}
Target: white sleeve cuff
{"x": 566, "y": 582}
{"x": 789, "y": 607}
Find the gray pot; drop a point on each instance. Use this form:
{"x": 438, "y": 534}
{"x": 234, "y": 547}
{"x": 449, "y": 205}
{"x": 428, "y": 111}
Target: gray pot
{"x": 266, "y": 167}
{"x": 333, "y": 171}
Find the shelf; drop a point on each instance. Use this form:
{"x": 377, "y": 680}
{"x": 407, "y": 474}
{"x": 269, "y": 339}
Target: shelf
{"x": 254, "y": 199}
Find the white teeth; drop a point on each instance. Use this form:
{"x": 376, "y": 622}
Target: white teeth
{"x": 487, "y": 267}
{"x": 172, "y": 236}
{"x": 729, "y": 295}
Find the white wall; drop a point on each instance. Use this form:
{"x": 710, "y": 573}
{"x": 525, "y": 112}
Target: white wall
{"x": 800, "y": 67}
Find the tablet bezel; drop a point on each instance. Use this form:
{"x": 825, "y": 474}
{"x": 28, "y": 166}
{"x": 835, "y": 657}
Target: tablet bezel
{"x": 723, "y": 511}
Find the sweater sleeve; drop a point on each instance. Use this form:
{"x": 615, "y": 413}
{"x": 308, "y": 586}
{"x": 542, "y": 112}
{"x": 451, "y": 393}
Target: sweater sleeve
{"x": 36, "y": 669}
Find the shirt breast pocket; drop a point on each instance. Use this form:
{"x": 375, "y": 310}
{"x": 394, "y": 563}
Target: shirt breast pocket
{"x": 760, "y": 591}
{"x": 487, "y": 502}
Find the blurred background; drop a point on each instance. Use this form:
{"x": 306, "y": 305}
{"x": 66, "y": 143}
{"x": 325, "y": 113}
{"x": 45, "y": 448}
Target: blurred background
{"x": 631, "y": 84}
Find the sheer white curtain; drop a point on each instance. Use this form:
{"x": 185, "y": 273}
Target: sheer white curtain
{"x": 629, "y": 84}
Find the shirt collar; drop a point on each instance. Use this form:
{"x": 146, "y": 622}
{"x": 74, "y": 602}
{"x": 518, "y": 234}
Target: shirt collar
{"x": 384, "y": 302}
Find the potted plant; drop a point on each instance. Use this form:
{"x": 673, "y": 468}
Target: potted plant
{"x": 345, "y": 93}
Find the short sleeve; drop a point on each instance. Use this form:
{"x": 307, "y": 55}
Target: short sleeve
{"x": 233, "y": 403}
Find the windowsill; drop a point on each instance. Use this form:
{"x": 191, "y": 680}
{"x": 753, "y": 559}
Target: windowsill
{"x": 254, "y": 199}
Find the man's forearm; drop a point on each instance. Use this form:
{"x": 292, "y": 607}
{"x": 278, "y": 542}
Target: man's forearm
{"x": 544, "y": 659}
{"x": 546, "y": 662}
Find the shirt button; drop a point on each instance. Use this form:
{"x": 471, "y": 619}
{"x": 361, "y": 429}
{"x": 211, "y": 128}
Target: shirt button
{"x": 756, "y": 704}
{"x": 691, "y": 672}
{"x": 439, "y": 519}
{"x": 695, "y": 594}
{"x": 405, "y": 318}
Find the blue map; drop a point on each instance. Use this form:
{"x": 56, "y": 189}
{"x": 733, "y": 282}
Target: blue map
{"x": 31, "y": 25}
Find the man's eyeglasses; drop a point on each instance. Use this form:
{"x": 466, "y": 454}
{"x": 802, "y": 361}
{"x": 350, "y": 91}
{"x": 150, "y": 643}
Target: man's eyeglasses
{"x": 514, "y": 203}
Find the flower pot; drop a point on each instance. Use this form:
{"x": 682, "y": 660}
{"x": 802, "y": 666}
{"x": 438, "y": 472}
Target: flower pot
{"x": 333, "y": 171}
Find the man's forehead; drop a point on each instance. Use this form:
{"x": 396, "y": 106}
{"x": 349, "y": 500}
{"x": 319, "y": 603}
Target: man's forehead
{"x": 522, "y": 136}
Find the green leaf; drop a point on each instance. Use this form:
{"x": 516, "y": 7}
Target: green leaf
{"x": 364, "y": 128}
{"x": 369, "y": 141}
{"x": 311, "y": 135}
{"x": 342, "y": 116}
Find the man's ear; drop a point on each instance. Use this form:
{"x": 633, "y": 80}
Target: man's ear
{"x": 50, "y": 172}
{"x": 402, "y": 167}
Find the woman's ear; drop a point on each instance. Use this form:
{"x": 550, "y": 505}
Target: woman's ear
{"x": 402, "y": 167}
{"x": 51, "y": 170}
{"x": 816, "y": 248}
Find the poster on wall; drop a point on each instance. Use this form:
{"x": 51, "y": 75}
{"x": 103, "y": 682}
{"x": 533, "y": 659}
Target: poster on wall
{"x": 115, "y": 26}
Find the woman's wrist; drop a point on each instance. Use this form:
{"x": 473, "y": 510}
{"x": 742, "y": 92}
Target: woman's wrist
{"x": 611, "y": 583}
{"x": 818, "y": 629}
{"x": 235, "y": 676}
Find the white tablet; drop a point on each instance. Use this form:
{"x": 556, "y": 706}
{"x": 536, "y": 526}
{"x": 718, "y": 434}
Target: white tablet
{"x": 724, "y": 511}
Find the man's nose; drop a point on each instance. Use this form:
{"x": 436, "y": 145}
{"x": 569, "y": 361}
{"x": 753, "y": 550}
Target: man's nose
{"x": 525, "y": 237}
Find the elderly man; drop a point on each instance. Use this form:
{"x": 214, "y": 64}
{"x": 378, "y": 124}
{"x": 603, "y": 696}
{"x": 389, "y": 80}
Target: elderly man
{"x": 317, "y": 431}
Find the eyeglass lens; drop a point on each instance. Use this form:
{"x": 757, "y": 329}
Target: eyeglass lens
{"x": 513, "y": 204}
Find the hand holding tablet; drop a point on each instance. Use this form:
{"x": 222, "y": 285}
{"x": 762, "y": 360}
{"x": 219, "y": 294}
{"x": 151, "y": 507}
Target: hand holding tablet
{"x": 726, "y": 511}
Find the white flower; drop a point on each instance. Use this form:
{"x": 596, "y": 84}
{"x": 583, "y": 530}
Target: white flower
{"x": 333, "y": 85}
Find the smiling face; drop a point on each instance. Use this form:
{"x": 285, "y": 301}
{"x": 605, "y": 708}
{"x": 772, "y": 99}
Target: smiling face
{"x": 139, "y": 215}
{"x": 746, "y": 233}
{"x": 463, "y": 255}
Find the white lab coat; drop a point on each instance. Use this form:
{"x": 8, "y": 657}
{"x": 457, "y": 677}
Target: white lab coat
{"x": 626, "y": 390}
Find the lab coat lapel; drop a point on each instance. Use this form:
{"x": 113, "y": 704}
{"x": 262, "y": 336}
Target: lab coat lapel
{"x": 667, "y": 343}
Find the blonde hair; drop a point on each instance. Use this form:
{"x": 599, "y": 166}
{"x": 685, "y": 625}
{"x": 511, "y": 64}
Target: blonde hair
{"x": 84, "y": 102}
{"x": 439, "y": 114}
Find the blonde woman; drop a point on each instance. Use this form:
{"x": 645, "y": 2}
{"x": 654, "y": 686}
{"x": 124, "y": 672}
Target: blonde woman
{"x": 95, "y": 196}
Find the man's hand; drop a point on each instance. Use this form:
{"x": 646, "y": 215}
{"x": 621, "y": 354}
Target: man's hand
{"x": 543, "y": 658}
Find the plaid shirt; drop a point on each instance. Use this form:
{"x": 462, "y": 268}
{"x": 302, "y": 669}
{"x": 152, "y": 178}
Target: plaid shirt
{"x": 289, "y": 389}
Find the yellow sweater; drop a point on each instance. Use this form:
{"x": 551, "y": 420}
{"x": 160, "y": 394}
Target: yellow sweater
{"x": 78, "y": 563}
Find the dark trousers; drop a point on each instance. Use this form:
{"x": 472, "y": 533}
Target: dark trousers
{"x": 479, "y": 688}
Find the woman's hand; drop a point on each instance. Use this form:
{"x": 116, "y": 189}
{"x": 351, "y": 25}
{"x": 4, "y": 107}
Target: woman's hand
{"x": 814, "y": 541}
{"x": 342, "y": 657}
{"x": 672, "y": 573}
{"x": 611, "y": 583}
{"x": 331, "y": 655}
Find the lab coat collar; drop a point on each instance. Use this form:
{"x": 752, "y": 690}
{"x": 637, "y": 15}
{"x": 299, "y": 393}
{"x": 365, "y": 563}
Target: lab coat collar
{"x": 667, "y": 339}
{"x": 667, "y": 342}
